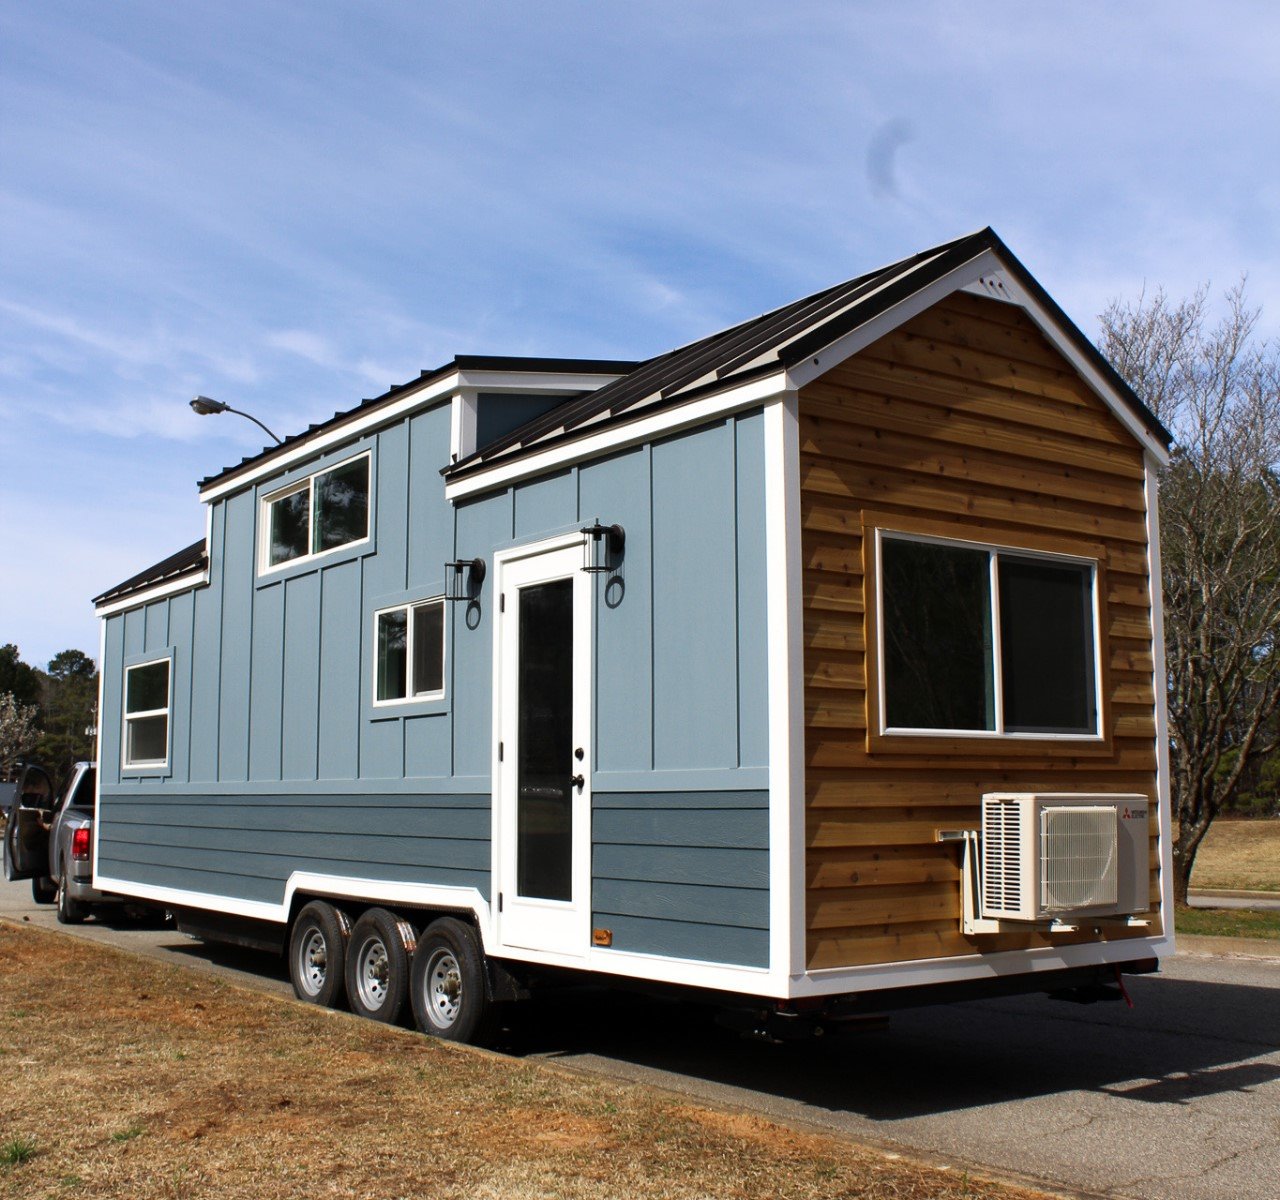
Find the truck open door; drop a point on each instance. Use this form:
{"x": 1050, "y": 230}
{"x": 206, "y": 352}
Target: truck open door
{"x": 26, "y": 835}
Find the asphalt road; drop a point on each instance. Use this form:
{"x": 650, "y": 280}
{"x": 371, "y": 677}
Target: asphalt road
{"x": 1178, "y": 1097}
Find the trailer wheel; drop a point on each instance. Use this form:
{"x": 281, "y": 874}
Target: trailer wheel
{"x": 43, "y": 889}
{"x": 378, "y": 965}
{"x": 318, "y": 954}
{"x": 450, "y": 999}
{"x": 70, "y": 912}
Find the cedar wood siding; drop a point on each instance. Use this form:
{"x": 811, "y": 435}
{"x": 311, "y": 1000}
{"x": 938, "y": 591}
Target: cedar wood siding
{"x": 963, "y": 421}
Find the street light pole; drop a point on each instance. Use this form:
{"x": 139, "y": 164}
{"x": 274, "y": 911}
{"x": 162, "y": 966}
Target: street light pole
{"x": 208, "y": 408}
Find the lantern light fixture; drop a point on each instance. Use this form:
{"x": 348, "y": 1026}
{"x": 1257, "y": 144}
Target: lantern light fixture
{"x": 602, "y": 547}
{"x": 463, "y": 578}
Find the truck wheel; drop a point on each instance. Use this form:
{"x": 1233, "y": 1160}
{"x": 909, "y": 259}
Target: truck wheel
{"x": 318, "y": 954}
{"x": 378, "y": 965}
{"x": 450, "y": 999}
{"x": 43, "y": 889}
{"x": 70, "y": 912}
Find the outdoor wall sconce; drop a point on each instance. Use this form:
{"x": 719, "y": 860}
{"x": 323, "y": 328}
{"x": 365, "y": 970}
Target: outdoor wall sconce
{"x": 462, "y": 579}
{"x": 602, "y": 547}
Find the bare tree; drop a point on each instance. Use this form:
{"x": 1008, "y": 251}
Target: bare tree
{"x": 18, "y": 731}
{"x": 1215, "y": 386}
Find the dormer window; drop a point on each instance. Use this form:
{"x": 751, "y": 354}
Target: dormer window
{"x": 312, "y": 516}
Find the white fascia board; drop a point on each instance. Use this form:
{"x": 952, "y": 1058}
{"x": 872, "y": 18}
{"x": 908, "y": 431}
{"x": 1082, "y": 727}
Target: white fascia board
{"x": 618, "y": 437}
{"x": 785, "y": 641}
{"x": 183, "y": 583}
{"x": 522, "y": 381}
{"x": 446, "y": 385}
{"x": 961, "y": 279}
{"x": 1159, "y": 677}
{"x": 344, "y": 432}
{"x": 837, "y": 981}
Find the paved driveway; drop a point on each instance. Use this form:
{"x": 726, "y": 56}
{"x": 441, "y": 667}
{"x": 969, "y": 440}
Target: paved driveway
{"x": 1178, "y": 1097}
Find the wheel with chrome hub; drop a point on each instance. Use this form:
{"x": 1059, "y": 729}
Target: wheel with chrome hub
{"x": 449, "y": 992}
{"x": 378, "y": 965}
{"x": 318, "y": 954}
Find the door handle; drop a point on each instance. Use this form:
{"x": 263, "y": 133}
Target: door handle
{"x": 578, "y": 781}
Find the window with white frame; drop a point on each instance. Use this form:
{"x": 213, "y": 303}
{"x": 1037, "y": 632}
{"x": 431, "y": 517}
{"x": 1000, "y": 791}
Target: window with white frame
{"x": 146, "y": 714}
{"x": 980, "y": 639}
{"x": 409, "y": 652}
{"x": 314, "y": 515}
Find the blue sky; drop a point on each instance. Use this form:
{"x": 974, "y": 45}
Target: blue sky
{"x": 290, "y": 207}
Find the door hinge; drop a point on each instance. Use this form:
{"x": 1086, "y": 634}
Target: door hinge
{"x": 499, "y": 901}
{"x": 499, "y": 751}
{"x": 502, "y": 602}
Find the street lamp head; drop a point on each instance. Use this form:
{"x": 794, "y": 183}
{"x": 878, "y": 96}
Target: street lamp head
{"x": 206, "y": 407}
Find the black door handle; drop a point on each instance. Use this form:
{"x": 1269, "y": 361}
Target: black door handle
{"x": 578, "y": 781}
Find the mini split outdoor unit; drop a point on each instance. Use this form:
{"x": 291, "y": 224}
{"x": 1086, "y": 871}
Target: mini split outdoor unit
{"x": 1046, "y": 856}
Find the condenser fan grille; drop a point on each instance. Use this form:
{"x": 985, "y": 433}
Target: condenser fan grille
{"x": 1001, "y": 855}
{"x": 1078, "y": 857}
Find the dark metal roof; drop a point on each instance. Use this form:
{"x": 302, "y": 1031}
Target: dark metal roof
{"x": 463, "y": 362}
{"x": 776, "y": 340}
{"x": 190, "y": 561}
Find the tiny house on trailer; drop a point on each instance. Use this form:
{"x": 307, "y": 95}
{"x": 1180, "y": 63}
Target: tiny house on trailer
{"x": 815, "y": 665}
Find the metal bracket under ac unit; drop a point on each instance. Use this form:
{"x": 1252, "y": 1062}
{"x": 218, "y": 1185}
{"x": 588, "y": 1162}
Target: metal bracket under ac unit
{"x": 971, "y": 919}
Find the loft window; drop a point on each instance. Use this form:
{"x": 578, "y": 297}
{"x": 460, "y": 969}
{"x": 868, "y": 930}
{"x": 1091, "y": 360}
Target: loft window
{"x": 983, "y": 640}
{"x": 409, "y": 652}
{"x": 323, "y": 512}
{"x": 146, "y": 714}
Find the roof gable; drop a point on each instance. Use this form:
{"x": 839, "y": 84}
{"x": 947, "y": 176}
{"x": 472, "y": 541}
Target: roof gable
{"x": 811, "y": 335}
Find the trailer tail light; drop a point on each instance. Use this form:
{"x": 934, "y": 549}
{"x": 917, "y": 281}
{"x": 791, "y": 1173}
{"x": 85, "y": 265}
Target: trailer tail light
{"x": 80, "y": 841}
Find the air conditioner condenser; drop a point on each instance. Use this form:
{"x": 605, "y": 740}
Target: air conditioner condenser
{"x": 1048, "y": 856}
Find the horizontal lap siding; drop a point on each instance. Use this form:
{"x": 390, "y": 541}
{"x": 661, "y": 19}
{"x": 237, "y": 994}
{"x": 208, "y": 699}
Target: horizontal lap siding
{"x": 966, "y": 416}
{"x": 247, "y": 846}
{"x": 683, "y": 874}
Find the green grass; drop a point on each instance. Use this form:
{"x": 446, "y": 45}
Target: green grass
{"x": 127, "y": 1135}
{"x": 17, "y": 1150}
{"x": 1229, "y": 922}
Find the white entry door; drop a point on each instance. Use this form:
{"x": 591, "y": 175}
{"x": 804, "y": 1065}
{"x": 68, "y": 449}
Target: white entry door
{"x": 542, "y": 809}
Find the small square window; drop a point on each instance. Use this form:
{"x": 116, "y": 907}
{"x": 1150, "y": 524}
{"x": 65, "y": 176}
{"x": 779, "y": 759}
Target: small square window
{"x": 409, "y": 649}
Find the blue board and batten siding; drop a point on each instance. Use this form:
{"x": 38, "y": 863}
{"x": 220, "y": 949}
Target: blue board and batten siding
{"x": 280, "y": 762}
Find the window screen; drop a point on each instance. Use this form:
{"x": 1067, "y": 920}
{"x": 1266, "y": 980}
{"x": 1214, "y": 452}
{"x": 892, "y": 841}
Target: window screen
{"x": 1046, "y": 646}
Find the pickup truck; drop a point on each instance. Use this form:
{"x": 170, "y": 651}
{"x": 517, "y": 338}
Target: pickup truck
{"x": 48, "y": 838}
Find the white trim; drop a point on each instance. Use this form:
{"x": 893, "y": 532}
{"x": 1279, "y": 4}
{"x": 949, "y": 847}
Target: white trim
{"x": 785, "y": 640}
{"x": 97, "y": 749}
{"x": 410, "y": 696}
{"x": 961, "y": 278}
{"x": 463, "y": 417}
{"x": 1159, "y": 684}
{"x": 386, "y": 414}
{"x": 183, "y": 583}
{"x": 994, "y": 551}
{"x": 618, "y": 437}
{"x": 307, "y": 483}
{"x": 836, "y": 981}
{"x": 429, "y": 895}
{"x": 149, "y": 764}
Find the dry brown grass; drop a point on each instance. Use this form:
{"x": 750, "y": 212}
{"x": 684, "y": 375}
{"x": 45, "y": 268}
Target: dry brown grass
{"x": 144, "y": 1081}
{"x": 1239, "y": 855}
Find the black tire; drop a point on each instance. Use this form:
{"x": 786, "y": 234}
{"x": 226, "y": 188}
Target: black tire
{"x": 318, "y": 954}
{"x": 43, "y": 889}
{"x": 70, "y": 912}
{"x": 450, "y": 996}
{"x": 377, "y": 972}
